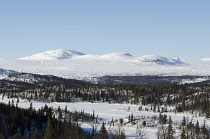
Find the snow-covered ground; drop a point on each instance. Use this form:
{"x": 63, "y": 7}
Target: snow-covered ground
{"x": 90, "y": 68}
{"x": 108, "y": 111}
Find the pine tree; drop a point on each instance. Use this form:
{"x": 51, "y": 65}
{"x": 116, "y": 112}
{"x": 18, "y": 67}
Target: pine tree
{"x": 184, "y": 121}
{"x": 183, "y": 102}
{"x": 160, "y": 118}
{"x": 59, "y": 113}
{"x": 197, "y": 129}
{"x": 144, "y": 123}
{"x": 75, "y": 117}
{"x": 204, "y": 131}
{"x": 112, "y": 122}
{"x": 183, "y": 136}
{"x": 31, "y": 107}
{"x": 170, "y": 132}
{"x": 179, "y": 108}
{"x": 121, "y": 121}
{"x": 93, "y": 114}
{"x": 48, "y": 130}
{"x": 65, "y": 109}
{"x": 103, "y": 129}
{"x": 132, "y": 118}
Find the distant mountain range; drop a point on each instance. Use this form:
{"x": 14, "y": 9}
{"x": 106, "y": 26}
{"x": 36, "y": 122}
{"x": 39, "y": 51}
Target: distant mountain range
{"x": 61, "y": 54}
{"x": 70, "y": 64}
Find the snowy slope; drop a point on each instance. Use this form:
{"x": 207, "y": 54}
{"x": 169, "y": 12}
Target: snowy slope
{"x": 106, "y": 57}
{"x": 58, "y": 54}
{"x": 5, "y": 73}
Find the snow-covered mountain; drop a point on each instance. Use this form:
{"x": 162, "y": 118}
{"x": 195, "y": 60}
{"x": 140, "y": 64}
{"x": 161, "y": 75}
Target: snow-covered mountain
{"x": 206, "y": 59}
{"x": 58, "y": 54}
{"x": 160, "y": 60}
{"x": 71, "y": 64}
{"x": 61, "y": 54}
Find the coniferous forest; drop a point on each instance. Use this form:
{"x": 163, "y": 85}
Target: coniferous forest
{"x": 19, "y": 123}
{"x": 187, "y": 97}
{"x": 43, "y": 123}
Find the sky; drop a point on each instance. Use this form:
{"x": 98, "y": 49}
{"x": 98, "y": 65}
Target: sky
{"x": 170, "y": 28}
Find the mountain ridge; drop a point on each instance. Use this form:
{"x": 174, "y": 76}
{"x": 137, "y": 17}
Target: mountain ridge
{"x": 91, "y": 67}
{"x": 61, "y": 54}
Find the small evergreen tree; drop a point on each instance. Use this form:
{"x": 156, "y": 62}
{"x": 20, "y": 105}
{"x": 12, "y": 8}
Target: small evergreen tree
{"x": 197, "y": 129}
{"x": 103, "y": 131}
{"x": 121, "y": 121}
{"x": 59, "y": 113}
{"x": 170, "y": 130}
{"x": 183, "y": 121}
{"x": 103, "y": 128}
{"x": 183, "y": 136}
{"x": 144, "y": 123}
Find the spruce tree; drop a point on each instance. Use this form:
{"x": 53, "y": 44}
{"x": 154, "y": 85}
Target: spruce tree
{"x": 48, "y": 130}
{"x": 197, "y": 129}
{"x": 65, "y": 109}
{"x": 184, "y": 121}
{"x": 59, "y": 113}
{"x": 183, "y": 136}
{"x": 121, "y": 121}
{"x": 103, "y": 129}
{"x": 144, "y": 123}
{"x": 170, "y": 131}
{"x": 132, "y": 118}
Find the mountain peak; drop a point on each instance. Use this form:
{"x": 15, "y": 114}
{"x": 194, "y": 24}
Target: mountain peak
{"x": 206, "y": 59}
{"x": 160, "y": 60}
{"x": 58, "y": 54}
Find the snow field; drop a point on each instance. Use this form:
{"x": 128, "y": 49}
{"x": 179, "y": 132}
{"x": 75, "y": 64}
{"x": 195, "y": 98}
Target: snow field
{"x": 116, "y": 111}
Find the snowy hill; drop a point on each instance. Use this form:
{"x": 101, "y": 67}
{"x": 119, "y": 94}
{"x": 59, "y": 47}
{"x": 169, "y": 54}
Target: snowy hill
{"x": 61, "y": 54}
{"x": 58, "y": 54}
{"x": 35, "y": 78}
{"x": 160, "y": 60}
{"x": 11, "y": 75}
{"x": 5, "y": 73}
{"x": 206, "y": 59}
{"x": 71, "y": 64}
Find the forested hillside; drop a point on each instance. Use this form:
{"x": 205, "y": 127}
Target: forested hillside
{"x": 161, "y": 99}
{"x": 189, "y": 97}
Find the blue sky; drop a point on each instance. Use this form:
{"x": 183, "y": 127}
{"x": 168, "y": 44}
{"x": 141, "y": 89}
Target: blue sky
{"x": 171, "y": 28}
